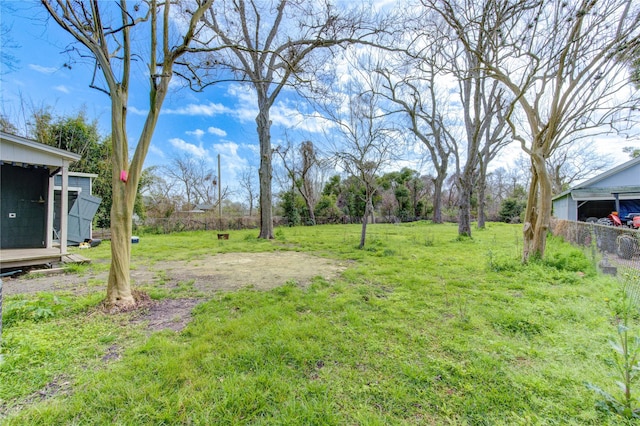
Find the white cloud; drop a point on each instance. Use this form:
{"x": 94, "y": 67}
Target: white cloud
{"x": 255, "y": 149}
{"x": 227, "y": 147}
{"x": 246, "y": 108}
{"x": 217, "y": 132}
{"x": 292, "y": 117}
{"x": 43, "y": 70}
{"x": 208, "y": 110}
{"x": 286, "y": 113}
{"x": 197, "y": 151}
{"x": 136, "y": 111}
{"x": 157, "y": 151}
{"x": 62, "y": 89}
{"x": 197, "y": 133}
{"x": 232, "y": 163}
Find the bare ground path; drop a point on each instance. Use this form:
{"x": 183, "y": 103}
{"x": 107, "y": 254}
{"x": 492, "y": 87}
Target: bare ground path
{"x": 222, "y": 272}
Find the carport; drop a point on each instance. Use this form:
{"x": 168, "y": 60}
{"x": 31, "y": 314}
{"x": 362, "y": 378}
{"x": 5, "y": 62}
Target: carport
{"x": 616, "y": 190}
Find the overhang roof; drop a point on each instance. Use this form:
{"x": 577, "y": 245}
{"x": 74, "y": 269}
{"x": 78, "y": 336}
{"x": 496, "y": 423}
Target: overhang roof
{"x": 16, "y": 149}
{"x": 583, "y": 190}
{"x": 624, "y": 192}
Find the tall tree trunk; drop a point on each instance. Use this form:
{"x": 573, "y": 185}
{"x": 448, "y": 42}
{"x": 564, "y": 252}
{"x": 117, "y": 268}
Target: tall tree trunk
{"x": 464, "y": 215}
{"x": 368, "y": 211}
{"x": 482, "y": 197}
{"x": 312, "y": 214}
{"x": 438, "y": 183}
{"x": 119, "y": 284}
{"x": 538, "y": 212}
{"x": 125, "y": 179}
{"x": 266, "y": 169}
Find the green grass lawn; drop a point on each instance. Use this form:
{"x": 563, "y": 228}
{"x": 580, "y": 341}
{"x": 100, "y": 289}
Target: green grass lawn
{"x": 422, "y": 328}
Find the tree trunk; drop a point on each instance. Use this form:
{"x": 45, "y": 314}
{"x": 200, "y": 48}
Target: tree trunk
{"x": 119, "y": 284}
{"x": 464, "y": 215}
{"x": 538, "y": 212}
{"x": 365, "y": 219}
{"x": 312, "y": 214}
{"x": 482, "y": 196}
{"x": 266, "y": 170}
{"x": 438, "y": 182}
{"x": 307, "y": 194}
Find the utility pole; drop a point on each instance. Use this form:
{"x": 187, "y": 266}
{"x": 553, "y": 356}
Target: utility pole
{"x": 219, "y": 195}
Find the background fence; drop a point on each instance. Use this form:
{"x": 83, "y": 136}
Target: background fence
{"x": 615, "y": 248}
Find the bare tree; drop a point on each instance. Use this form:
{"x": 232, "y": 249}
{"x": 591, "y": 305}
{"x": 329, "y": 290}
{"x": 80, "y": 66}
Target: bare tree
{"x": 106, "y": 29}
{"x": 437, "y": 57}
{"x": 308, "y": 185}
{"x": 483, "y": 107}
{"x": 159, "y": 194}
{"x": 365, "y": 146}
{"x": 268, "y": 45}
{"x": 302, "y": 170}
{"x": 196, "y": 179}
{"x": 414, "y": 90}
{"x": 495, "y": 140}
{"x": 8, "y": 61}
{"x": 560, "y": 62}
{"x": 248, "y": 183}
{"x": 575, "y": 162}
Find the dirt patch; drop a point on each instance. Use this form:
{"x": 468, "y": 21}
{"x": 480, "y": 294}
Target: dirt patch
{"x": 262, "y": 271}
{"x": 222, "y": 272}
{"x": 58, "y": 386}
{"x": 168, "y": 314}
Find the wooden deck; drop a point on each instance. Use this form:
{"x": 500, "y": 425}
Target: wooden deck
{"x": 28, "y": 257}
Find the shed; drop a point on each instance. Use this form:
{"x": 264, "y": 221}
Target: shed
{"x": 27, "y": 170}
{"x": 617, "y": 190}
{"x": 83, "y": 206}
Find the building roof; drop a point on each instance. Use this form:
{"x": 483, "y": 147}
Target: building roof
{"x": 16, "y": 149}
{"x": 205, "y": 206}
{"x": 82, "y": 174}
{"x": 583, "y": 189}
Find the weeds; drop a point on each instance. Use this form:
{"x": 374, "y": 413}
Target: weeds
{"x": 429, "y": 240}
{"x": 625, "y": 361}
{"x": 44, "y": 307}
{"x": 444, "y": 333}
{"x": 490, "y": 264}
{"x": 75, "y": 268}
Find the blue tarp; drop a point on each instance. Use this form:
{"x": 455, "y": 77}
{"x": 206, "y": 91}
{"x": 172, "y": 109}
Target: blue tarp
{"x": 628, "y": 206}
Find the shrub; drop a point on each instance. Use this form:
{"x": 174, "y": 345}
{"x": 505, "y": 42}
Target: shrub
{"x": 511, "y": 210}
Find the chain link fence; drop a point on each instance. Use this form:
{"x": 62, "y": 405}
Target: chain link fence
{"x": 615, "y": 248}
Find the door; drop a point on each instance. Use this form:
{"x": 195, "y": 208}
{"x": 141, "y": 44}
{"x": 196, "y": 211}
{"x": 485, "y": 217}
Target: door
{"x": 23, "y": 206}
{"x": 80, "y": 217}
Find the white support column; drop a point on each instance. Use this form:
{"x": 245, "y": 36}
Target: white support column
{"x": 64, "y": 207}
{"x": 50, "y": 208}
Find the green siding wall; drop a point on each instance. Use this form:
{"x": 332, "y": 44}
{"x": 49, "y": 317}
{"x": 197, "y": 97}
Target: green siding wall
{"x": 23, "y": 206}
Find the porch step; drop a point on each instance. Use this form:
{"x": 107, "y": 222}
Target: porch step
{"x": 75, "y": 258}
{"x": 46, "y": 271}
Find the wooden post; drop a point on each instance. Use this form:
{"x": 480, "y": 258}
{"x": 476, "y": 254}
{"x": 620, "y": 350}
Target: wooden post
{"x": 219, "y": 195}
{"x": 64, "y": 207}
{"x": 50, "y": 208}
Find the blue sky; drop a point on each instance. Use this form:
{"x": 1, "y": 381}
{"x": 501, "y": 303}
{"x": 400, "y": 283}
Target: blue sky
{"x": 218, "y": 121}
